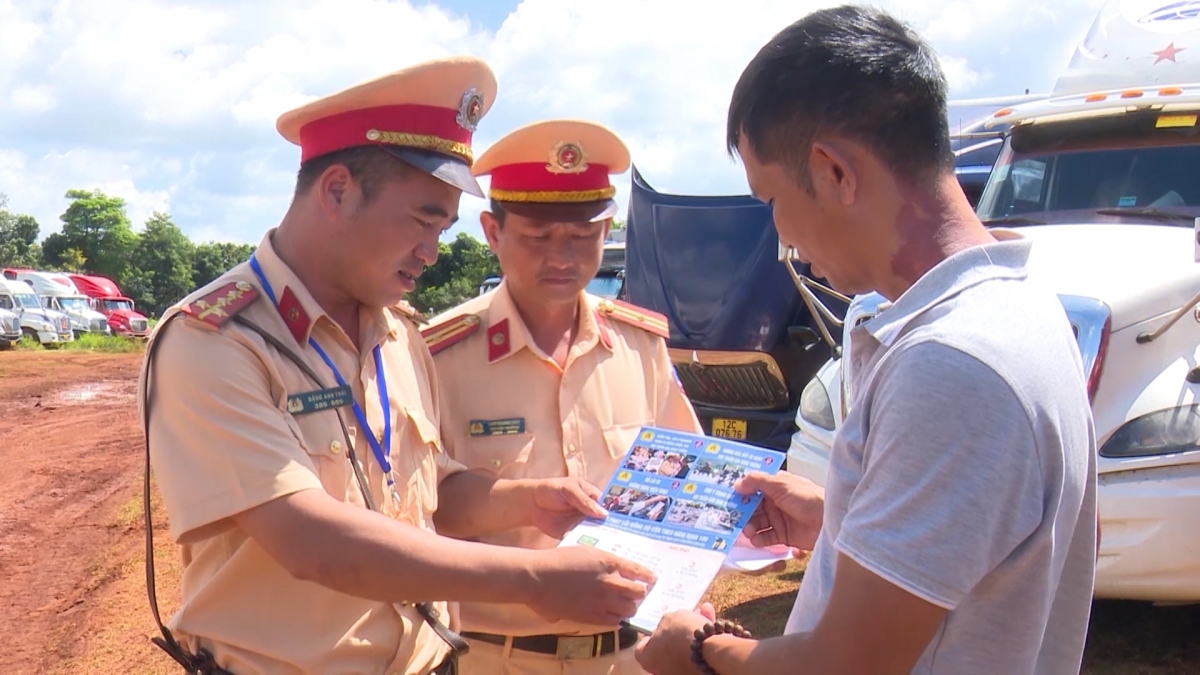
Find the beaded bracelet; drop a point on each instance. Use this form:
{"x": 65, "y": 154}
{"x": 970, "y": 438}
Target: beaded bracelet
{"x": 718, "y": 627}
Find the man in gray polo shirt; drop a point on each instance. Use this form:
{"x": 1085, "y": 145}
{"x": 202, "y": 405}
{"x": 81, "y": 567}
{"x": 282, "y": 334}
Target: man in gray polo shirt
{"x": 958, "y": 530}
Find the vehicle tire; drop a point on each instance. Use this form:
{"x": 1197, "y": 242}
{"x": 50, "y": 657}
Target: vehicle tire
{"x": 31, "y": 334}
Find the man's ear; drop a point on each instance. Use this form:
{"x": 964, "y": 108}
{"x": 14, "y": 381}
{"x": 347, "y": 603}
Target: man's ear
{"x": 332, "y": 190}
{"x": 833, "y": 172}
{"x": 491, "y": 229}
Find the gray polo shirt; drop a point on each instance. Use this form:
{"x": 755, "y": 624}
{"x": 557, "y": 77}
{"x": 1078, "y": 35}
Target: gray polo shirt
{"x": 965, "y": 472}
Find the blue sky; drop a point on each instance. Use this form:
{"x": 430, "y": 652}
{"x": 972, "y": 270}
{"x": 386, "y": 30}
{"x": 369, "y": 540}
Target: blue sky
{"x": 171, "y": 105}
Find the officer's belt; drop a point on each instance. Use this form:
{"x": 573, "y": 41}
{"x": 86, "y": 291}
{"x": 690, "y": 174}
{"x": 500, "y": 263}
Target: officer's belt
{"x": 566, "y": 646}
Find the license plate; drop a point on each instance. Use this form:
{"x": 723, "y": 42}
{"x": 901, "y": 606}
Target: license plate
{"x": 723, "y": 428}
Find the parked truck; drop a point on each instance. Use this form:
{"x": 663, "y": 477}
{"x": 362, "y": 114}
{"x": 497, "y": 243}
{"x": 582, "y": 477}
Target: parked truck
{"x": 10, "y": 327}
{"x": 47, "y": 326}
{"x": 56, "y": 291}
{"x": 106, "y": 298}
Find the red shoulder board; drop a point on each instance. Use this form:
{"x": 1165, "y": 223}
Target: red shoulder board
{"x": 219, "y": 306}
{"x": 450, "y": 332}
{"x": 647, "y": 320}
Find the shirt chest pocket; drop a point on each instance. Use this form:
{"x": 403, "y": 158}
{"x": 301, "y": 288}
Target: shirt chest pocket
{"x": 415, "y": 462}
{"x": 501, "y": 456}
{"x": 322, "y": 439}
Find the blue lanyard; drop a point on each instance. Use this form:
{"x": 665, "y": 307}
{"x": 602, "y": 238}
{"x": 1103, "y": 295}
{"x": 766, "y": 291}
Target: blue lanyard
{"x": 376, "y": 447}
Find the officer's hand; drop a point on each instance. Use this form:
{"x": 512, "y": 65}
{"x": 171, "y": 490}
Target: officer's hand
{"x": 587, "y": 585}
{"x": 558, "y": 504}
{"x": 791, "y": 511}
{"x": 669, "y": 650}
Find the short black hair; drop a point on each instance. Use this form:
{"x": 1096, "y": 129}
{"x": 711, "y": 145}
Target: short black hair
{"x": 370, "y": 165}
{"x": 497, "y": 210}
{"x": 852, "y": 71}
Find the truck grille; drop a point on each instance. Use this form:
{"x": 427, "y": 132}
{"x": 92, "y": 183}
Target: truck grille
{"x": 138, "y": 325}
{"x": 98, "y": 325}
{"x": 739, "y": 381}
{"x": 12, "y": 325}
{"x": 64, "y": 325}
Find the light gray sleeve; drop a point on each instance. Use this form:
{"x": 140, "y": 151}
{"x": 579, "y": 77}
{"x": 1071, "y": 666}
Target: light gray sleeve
{"x": 951, "y": 480}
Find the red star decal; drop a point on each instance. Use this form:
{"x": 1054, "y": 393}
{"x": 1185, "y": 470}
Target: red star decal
{"x": 1168, "y": 53}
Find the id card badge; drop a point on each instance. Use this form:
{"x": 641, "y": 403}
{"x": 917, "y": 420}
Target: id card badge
{"x": 320, "y": 399}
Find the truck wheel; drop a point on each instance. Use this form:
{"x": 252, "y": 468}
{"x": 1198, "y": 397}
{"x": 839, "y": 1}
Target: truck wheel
{"x": 31, "y": 334}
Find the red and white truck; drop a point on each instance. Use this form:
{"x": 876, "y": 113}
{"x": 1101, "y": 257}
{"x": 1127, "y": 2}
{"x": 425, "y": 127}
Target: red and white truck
{"x": 107, "y": 299}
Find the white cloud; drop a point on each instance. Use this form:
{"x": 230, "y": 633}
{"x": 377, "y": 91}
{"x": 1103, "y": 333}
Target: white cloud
{"x": 171, "y": 105}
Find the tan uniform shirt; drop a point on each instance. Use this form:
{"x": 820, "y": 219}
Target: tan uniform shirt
{"x": 223, "y": 441}
{"x": 578, "y": 420}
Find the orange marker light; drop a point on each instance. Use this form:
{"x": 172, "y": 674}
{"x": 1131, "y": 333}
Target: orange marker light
{"x": 1131, "y": 93}
{"x": 1003, "y": 113}
{"x": 1170, "y": 91}
{"x": 1095, "y": 98}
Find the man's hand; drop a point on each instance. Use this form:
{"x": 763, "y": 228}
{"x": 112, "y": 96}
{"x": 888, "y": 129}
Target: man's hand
{"x": 669, "y": 650}
{"x": 587, "y": 585}
{"x": 791, "y": 511}
{"x": 558, "y": 504}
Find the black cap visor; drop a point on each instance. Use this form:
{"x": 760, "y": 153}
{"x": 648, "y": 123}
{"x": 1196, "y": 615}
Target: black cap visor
{"x": 446, "y": 168}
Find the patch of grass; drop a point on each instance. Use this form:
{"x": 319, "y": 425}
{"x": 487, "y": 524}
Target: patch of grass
{"x": 87, "y": 342}
{"x": 27, "y": 344}
{"x": 109, "y": 344}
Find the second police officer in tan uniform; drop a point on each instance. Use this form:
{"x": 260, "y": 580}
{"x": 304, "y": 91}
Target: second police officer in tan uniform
{"x": 540, "y": 379}
{"x": 294, "y": 392}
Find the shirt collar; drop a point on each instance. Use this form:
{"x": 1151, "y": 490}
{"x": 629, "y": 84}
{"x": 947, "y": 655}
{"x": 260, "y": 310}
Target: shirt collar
{"x": 301, "y": 312}
{"x": 1003, "y": 259}
{"x": 507, "y": 333}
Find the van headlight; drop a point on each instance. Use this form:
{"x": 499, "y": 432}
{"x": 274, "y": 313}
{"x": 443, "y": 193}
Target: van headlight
{"x": 1165, "y": 432}
{"x": 815, "y": 407}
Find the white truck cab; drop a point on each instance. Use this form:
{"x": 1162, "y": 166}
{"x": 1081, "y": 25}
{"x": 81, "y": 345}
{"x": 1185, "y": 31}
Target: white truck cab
{"x": 1106, "y": 184}
{"x": 47, "y": 326}
{"x": 10, "y": 328}
{"x": 56, "y": 291}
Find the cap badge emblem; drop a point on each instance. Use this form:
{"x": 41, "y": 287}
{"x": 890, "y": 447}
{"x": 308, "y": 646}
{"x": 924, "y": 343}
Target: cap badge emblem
{"x": 470, "y": 110}
{"x": 567, "y": 158}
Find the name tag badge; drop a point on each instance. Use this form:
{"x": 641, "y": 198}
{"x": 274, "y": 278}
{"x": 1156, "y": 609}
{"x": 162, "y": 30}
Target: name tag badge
{"x": 507, "y": 427}
{"x": 321, "y": 399}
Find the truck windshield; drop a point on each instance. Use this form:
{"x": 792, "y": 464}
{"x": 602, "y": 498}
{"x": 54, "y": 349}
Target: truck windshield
{"x": 114, "y": 305}
{"x": 605, "y": 286}
{"x": 28, "y": 301}
{"x": 1138, "y": 167}
{"x": 73, "y": 303}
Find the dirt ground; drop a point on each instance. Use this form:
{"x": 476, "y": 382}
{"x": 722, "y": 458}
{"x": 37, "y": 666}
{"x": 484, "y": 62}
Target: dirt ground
{"x": 72, "y": 586}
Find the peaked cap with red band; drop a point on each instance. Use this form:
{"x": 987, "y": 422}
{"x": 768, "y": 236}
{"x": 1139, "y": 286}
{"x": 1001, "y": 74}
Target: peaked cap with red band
{"x": 556, "y": 170}
{"x": 424, "y": 115}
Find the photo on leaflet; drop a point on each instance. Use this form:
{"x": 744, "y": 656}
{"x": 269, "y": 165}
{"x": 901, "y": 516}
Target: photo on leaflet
{"x": 661, "y": 462}
{"x": 717, "y": 473}
{"x": 704, "y": 517}
{"x": 636, "y": 504}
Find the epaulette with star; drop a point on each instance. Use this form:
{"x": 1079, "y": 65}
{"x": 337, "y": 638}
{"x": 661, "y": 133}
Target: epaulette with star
{"x": 222, "y": 304}
{"x": 639, "y": 317}
{"x": 408, "y": 311}
{"x": 450, "y": 332}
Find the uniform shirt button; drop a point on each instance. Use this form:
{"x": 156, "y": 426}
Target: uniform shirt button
{"x": 496, "y": 463}
{"x": 335, "y": 447}
{"x": 571, "y": 448}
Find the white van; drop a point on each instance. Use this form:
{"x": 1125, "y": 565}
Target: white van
{"x": 45, "y": 325}
{"x": 56, "y": 291}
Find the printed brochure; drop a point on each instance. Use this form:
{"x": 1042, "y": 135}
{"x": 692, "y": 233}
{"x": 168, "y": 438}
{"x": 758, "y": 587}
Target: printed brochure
{"x": 672, "y": 508}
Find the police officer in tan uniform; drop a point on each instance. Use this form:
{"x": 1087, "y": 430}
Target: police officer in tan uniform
{"x": 292, "y": 419}
{"x": 543, "y": 380}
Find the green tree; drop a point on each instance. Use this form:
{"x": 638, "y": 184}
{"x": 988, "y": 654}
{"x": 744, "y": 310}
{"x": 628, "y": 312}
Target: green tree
{"x": 617, "y": 224}
{"x": 160, "y": 267}
{"x": 211, "y": 260}
{"x": 96, "y": 225}
{"x": 18, "y": 238}
{"x": 461, "y": 267}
